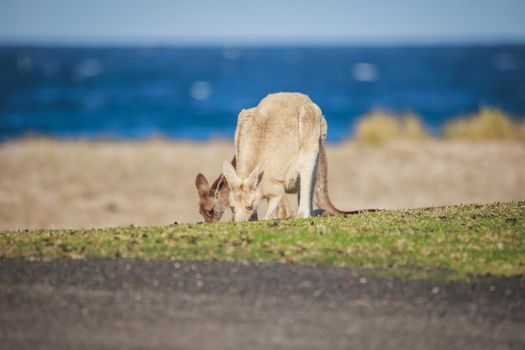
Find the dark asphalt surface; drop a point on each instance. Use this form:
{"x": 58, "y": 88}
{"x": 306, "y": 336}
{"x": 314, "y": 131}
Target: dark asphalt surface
{"x": 104, "y": 303}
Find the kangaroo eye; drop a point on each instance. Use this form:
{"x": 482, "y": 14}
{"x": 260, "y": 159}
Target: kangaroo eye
{"x": 209, "y": 213}
{"x": 249, "y": 207}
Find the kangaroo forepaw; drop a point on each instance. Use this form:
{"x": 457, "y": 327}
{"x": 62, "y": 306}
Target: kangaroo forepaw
{"x": 302, "y": 215}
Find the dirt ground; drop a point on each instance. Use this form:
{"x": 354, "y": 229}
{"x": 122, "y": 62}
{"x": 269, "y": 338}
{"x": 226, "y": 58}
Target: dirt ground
{"x": 137, "y": 304}
{"x": 47, "y": 183}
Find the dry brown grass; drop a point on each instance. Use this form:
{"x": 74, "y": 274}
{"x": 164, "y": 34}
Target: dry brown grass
{"x": 379, "y": 126}
{"x": 487, "y": 124}
{"x": 47, "y": 183}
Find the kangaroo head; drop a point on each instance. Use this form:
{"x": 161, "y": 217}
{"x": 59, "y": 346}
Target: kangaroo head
{"x": 245, "y": 193}
{"x": 212, "y": 200}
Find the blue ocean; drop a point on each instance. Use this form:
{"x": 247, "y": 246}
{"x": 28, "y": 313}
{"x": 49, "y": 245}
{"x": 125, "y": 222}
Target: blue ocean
{"x": 196, "y": 92}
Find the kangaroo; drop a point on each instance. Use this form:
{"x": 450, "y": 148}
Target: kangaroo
{"x": 277, "y": 148}
{"x": 213, "y": 200}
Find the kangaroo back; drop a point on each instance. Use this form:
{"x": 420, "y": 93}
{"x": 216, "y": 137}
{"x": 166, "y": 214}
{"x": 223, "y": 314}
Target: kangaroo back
{"x": 281, "y": 139}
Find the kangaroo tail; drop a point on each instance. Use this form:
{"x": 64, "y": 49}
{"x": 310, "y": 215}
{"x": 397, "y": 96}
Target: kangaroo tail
{"x": 321, "y": 197}
{"x": 346, "y": 213}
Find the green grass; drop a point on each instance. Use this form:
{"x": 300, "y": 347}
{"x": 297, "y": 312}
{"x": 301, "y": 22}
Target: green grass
{"x": 451, "y": 242}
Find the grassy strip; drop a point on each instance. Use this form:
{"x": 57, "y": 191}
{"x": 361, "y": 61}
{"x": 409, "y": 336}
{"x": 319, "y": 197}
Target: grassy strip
{"x": 454, "y": 242}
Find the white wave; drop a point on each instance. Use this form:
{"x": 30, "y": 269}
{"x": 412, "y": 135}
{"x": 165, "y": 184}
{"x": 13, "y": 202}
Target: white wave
{"x": 365, "y": 72}
{"x": 88, "y": 69}
{"x": 231, "y": 54}
{"x": 200, "y": 90}
{"x": 505, "y": 62}
{"x": 24, "y": 63}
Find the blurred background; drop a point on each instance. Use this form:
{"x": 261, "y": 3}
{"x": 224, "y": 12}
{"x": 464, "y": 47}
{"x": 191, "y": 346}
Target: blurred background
{"x": 108, "y": 109}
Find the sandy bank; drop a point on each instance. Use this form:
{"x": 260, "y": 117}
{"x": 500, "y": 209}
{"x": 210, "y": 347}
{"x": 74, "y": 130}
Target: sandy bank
{"x": 47, "y": 183}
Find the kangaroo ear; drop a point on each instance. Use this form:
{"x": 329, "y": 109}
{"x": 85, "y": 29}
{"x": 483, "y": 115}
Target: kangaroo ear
{"x": 229, "y": 173}
{"x": 255, "y": 176}
{"x": 202, "y": 185}
{"x": 222, "y": 189}
{"x": 220, "y": 186}
{"x": 217, "y": 183}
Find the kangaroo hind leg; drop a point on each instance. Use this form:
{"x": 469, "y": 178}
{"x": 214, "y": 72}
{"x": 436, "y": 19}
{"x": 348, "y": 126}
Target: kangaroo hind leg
{"x": 310, "y": 137}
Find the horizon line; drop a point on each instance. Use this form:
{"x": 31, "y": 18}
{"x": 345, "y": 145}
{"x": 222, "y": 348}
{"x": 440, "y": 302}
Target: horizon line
{"x": 294, "y": 44}
{"x": 262, "y": 42}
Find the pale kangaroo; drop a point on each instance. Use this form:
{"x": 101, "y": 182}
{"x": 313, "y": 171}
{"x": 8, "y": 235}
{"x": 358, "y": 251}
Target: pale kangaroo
{"x": 277, "y": 148}
{"x": 213, "y": 200}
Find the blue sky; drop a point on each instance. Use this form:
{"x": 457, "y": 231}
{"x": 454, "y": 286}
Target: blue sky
{"x": 261, "y": 21}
